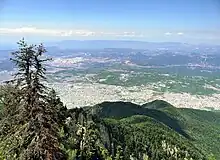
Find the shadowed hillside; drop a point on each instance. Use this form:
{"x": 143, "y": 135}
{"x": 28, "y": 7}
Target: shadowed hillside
{"x": 200, "y": 127}
{"x": 126, "y": 109}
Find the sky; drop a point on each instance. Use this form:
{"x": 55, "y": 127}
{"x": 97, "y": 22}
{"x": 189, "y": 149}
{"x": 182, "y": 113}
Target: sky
{"x": 190, "y": 21}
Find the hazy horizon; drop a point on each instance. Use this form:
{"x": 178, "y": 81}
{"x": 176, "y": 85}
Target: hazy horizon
{"x": 102, "y": 44}
{"x": 142, "y": 20}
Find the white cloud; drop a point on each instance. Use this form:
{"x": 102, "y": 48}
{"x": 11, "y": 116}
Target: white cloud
{"x": 77, "y": 33}
{"x": 128, "y": 34}
{"x": 27, "y": 30}
{"x": 64, "y": 33}
{"x": 168, "y": 33}
{"x": 180, "y": 33}
{"x": 48, "y": 32}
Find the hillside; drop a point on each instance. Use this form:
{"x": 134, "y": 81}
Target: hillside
{"x": 126, "y": 136}
{"x": 110, "y": 130}
{"x": 123, "y": 130}
{"x": 202, "y": 128}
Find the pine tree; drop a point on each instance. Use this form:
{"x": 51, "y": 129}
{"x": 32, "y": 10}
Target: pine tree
{"x": 24, "y": 59}
{"x": 40, "y": 114}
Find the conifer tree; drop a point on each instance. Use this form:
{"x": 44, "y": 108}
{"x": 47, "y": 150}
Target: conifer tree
{"x": 41, "y": 139}
{"x": 23, "y": 59}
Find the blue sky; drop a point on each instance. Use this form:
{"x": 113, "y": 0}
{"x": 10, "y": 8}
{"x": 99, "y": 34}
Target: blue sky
{"x": 192, "y": 21}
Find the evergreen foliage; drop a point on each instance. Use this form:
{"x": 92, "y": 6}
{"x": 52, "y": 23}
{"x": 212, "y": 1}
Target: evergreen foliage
{"x": 33, "y": 124}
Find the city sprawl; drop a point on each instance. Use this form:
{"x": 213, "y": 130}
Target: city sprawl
{"x": 186, "y": 79}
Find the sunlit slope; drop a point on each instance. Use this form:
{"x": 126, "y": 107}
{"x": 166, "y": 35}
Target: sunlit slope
{"x": 201, "y": 128}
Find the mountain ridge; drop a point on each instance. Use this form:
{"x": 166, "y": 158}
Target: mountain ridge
{"x": 198, "y": 126}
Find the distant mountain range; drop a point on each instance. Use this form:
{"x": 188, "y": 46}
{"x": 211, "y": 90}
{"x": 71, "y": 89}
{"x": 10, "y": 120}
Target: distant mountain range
{"x": 101, "y": 44}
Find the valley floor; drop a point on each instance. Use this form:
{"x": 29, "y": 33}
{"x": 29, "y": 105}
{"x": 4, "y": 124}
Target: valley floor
{"x": 84, "y": 94}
